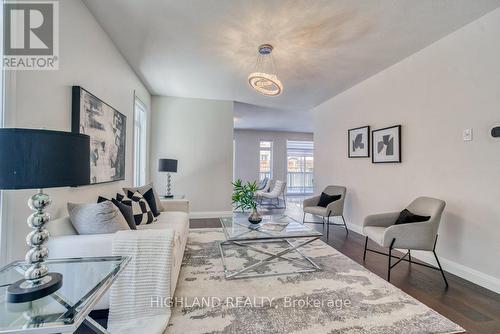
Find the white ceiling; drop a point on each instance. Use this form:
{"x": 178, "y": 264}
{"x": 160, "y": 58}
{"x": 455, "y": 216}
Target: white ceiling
{"x": 207, "y": 48}
{"x": 250, "y": 116}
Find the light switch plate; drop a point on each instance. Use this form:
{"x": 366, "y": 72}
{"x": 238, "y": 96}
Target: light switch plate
{"x": 467, "y": 134}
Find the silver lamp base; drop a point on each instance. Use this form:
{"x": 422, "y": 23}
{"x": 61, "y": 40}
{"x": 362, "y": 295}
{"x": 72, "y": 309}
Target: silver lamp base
{"x": 168, "y": 188}
{"x": 37, "y": 282}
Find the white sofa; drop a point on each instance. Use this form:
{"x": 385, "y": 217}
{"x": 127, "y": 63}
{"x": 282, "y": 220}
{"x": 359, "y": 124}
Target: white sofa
{"x": 65, "y": 242}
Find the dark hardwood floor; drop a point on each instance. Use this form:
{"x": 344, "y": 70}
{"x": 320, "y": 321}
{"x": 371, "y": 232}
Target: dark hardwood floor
{"x": 474, "y": 308}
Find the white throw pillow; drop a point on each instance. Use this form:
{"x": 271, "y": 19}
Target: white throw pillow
{"x": 96, "y": 218}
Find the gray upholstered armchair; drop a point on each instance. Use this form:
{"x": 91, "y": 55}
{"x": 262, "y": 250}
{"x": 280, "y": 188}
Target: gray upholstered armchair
{"x": 381, "y": 229}
{"x": 333, "y": 209}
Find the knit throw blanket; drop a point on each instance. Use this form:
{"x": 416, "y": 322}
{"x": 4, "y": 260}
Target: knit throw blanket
{"x": 136, "y": 298}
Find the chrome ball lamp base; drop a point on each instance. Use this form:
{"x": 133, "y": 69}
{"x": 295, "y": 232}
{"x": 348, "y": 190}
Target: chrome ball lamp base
{"x": 37, "y": 282}
{"x": 169, "y": 187}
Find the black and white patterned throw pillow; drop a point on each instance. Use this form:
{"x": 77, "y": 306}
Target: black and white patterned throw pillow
{"x": 140, "y": 208}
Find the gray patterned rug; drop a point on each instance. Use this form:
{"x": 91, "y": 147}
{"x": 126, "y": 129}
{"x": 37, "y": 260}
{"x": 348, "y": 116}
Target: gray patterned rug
{"x": 342, "y": 298}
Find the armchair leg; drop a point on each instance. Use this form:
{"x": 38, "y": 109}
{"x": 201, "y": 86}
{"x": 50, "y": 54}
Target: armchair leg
{"x": 304, "y": 219}
{"x": 441, "y": 269}
{"x": 345, "y": 225}
{"x": 327, "y": 228}
{"x": 438, "y": 263}
{"x": 409, "y": 260}
{"x": 366, "y": 246}
{"x": 389, "y": 262}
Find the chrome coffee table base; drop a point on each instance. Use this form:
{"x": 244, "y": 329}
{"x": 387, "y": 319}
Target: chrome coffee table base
{"x": 309, "y": 266}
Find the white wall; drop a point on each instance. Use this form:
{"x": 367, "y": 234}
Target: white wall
{"x": 436, "y": 93}
{"x": 199, "y": 134}
{"x": 39, "y": 99}
{"x": 247, "y": 152}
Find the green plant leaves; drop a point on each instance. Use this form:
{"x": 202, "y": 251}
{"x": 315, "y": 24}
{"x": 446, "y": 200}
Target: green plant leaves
{"x": 244, "y": 195}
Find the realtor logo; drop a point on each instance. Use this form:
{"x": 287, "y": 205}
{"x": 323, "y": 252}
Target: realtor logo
{"x": 31, "y": 35}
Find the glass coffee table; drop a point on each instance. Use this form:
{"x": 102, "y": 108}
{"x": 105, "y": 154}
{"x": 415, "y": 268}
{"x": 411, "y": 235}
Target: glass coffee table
{"x": 85, "y": 281}
{"x": 287, "y": 232}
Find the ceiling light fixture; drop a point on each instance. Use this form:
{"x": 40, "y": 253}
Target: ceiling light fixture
{"x": 264, "y": 80}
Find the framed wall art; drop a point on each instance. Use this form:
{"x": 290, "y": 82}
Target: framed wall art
{"x": 359, "y": 142}
{"x": 106, "y": 127}
{"x": 386, "y": 145}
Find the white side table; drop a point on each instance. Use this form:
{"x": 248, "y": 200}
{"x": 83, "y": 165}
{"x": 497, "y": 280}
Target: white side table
{"x": 176, "y": 203}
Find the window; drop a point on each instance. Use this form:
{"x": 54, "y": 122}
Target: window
{"x": 300, "y": 166}
{"x": 140, "y": 142}
{"x": 266, "y": 160}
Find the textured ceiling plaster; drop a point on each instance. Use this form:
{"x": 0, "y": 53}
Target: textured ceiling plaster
{"x": 207, "y": 48}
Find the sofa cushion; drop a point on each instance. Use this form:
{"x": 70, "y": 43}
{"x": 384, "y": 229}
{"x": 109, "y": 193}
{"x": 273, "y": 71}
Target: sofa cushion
{"x": 125, "y": 209}
{"x": 140, "y": 208}
{"x": 407, "y": 217}
{"x": 143, "y": 190}
{"x": 96, "y": 218}
{"x": 178, "y": 221}
{"x": 326, "y": 199}
{"x": 149, "y": 196}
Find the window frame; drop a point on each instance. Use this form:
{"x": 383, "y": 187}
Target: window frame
{"x": 140, "y": 142}
{"x": 271, "y": 158}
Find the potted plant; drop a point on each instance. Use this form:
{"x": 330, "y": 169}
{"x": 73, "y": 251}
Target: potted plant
{"x": 244, "y": 199}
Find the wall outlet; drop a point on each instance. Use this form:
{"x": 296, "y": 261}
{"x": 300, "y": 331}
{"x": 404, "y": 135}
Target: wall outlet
{"x": 467, "y": 134}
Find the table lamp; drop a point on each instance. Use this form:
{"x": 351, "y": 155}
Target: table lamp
{"x": 37, "y": 159}
{"x": 169, "y": 166}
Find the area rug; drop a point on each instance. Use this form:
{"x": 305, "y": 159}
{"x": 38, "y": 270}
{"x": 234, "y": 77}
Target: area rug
{"x": 342, "y": 298}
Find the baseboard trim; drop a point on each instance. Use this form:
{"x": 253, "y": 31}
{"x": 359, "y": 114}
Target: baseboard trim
{"x": 210, "y": 214}
{"x": 472, "y": 275}
{"x": 355, "y": 228}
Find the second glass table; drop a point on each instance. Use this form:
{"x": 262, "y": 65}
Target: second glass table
{"x": 281, "y": 229}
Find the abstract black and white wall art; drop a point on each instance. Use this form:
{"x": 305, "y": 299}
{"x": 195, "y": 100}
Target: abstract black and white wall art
{"x": 359, "y": 142}
{"x": 386, "y": 145}
{"x": 106, "y": 127}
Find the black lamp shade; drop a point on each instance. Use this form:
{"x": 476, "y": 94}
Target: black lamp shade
{"x": 31, "y": 159}
{"x": 167, "y": 165}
